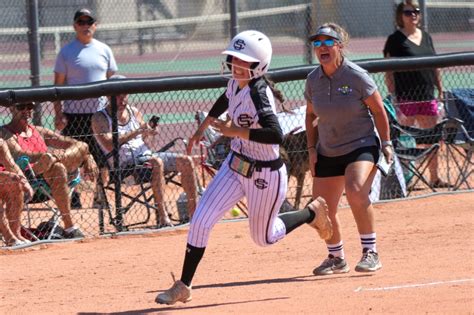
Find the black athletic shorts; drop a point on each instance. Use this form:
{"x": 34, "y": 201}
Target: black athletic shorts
{"x": 336, "y": 165}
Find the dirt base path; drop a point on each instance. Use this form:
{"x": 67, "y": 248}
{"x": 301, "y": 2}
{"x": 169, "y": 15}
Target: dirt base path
{"x": 425, "y": 245}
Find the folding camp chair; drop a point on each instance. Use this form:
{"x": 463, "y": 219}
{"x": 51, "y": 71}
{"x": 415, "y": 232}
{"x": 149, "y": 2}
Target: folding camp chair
{"x": 415, "y": 160}
{"x": 459, "y": 135}
{"x": 136, "y": 200}
{"x": 43, "y": 227}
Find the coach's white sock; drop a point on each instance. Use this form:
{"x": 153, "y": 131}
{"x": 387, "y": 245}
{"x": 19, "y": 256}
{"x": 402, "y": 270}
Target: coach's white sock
{"x": 337, "y": 250}
{"x": 369, "y": 241}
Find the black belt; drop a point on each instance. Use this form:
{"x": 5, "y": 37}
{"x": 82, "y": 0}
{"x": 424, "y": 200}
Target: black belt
{"x": 273, "y": 164}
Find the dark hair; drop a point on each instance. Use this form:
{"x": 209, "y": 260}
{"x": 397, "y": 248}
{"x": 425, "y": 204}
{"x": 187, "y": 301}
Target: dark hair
{"x": 399, "y": 11}
{"x": 276, "y": 92}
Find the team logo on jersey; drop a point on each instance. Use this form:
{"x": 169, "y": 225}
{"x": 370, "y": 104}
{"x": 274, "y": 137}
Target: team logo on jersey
{"x": 239, "y": 44}
{"x": 260, "y": 183}
{"x": 245, "y": 120}
{"x": 345, "y": 89}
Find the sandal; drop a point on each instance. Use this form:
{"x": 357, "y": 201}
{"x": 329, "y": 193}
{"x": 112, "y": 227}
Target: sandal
{"x": 440, "y": 184}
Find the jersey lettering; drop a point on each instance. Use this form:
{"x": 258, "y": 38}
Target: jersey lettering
{"x": 261, "y": 184}
{"x": 245, "y": 120}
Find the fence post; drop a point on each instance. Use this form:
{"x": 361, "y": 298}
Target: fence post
{"x": 234, "y": 20}
{"x": 309, "y": 26}
{"x": 117, "y": 176}
{"x": 33, "y": 44}
{"x": 424, "y": 14}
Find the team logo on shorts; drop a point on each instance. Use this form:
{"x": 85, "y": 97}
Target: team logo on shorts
{"x": 245, "y": 120}
{"x": 239, "y": 44}
{"x": 345, "y": 89}
{"x": 260, "y": 183}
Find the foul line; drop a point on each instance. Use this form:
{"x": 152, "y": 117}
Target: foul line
{"x": 407, "y": 286}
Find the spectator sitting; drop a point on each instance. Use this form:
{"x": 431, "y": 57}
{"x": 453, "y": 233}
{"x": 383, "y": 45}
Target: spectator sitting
{"x": 133, "y": 150}
{"x": 53, "y": 156}
{"x": 14, "y": 187}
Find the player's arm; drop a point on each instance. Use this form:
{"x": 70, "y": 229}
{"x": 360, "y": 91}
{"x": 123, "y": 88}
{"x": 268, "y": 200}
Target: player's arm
{"x": 271, "y": 132}
{"x": 219, "y": 107}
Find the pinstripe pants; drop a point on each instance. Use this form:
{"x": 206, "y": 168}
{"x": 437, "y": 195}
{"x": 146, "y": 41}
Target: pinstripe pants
{"x": 265, "y": 192}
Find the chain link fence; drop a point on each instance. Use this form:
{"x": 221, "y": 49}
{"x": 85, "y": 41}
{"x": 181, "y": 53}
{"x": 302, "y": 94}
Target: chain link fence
{"x": 154, "y": 38}
{"x": 180, "y": 112}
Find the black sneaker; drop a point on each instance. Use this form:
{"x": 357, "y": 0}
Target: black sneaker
{"x": 331, "y": 265}
{"x": 369, "y": 262}
{"x": 75, "y": 233}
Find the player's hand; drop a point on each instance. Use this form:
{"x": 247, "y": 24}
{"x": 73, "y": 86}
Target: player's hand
{"x": 60, "y": 121}
{"x": 197, "y": 136}
{"x": 313, "y": 159}
{"x": 227, "y": 128}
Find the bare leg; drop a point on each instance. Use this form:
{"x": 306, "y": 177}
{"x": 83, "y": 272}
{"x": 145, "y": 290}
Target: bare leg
{"x": 330, "y": 188}
{"x": 12, "y": 194}
{"x": 185, "y": 166}
{"x": 75, "y": 156}
{"x": 5, "y": 230}
{"x": 56, "y": 177}
{"x": 359, "y": 178}
{"x": 157, "y": 185}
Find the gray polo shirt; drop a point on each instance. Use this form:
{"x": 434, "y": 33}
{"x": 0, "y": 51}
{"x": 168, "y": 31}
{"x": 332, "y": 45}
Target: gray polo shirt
{"x": 344, "y": 121}
{"x": 84, "y": 64}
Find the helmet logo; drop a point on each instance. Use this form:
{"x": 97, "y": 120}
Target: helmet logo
{"x": 239, "y": 44}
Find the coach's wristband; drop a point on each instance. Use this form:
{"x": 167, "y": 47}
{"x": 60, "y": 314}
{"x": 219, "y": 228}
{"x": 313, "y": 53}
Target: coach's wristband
{"x": 387, "y": 143}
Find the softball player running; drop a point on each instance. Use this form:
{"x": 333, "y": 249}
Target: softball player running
{"x": 253, "y": 169}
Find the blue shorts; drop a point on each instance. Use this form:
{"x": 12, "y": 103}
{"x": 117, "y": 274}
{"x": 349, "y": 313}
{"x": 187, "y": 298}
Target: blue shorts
{"x": 336, "y": 165}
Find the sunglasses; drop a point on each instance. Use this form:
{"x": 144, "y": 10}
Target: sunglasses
{"x": 27, "y": 106}
{"x": 327, "y": 42}
{"x": 85, "y": 22}
{"x": 410, "y": 13}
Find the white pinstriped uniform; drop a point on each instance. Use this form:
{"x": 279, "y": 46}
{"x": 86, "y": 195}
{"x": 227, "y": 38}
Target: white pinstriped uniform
{"x": 265, "y": 190}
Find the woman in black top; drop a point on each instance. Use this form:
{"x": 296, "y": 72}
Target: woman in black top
{"x": 413, "y": 91}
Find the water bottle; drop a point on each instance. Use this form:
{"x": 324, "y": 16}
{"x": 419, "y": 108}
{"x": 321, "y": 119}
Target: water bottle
{"x": 182, "y": 205}
{"x": 24, "y": 163}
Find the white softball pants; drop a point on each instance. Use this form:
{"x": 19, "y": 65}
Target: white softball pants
{"x": 265, "y": 192}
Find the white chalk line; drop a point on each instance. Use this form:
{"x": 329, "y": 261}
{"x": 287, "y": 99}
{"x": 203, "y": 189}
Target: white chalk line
{"x": 408, "y": 286}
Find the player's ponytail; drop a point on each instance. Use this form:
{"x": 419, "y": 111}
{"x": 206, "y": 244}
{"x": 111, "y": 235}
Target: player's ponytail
{"x": 276, "y": 92}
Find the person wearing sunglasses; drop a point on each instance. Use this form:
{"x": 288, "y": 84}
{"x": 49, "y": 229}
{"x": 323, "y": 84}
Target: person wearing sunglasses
{"x": 413, "y": 91}
{"x": 52, "y": 156}
{"x": 83, "y": 60}
{"x": 344, "y": 110}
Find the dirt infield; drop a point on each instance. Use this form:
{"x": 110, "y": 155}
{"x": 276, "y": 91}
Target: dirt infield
{"x": 425, "y": 245}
